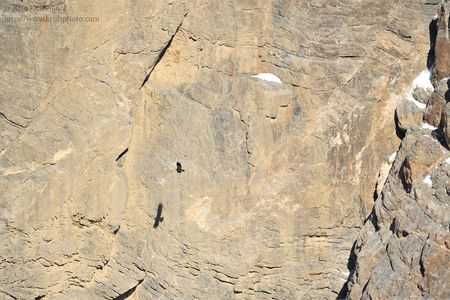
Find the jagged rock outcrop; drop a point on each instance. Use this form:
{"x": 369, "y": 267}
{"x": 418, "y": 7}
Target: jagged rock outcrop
{"x": 436, "y": 104}
{"x": 403, "y": 250}
{"x": 442, "y": 43}
{"x": 408, "y": 115}
{"x": 422, "y": 95}
{"x": 446, "y": 124}
{"x": 95, "y": 112}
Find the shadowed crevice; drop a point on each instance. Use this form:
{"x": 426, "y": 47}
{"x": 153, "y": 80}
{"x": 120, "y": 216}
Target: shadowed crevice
{"x": 351, "y": 266}
{"x": 161, "y": 55}
{"x": 128, "y": 293}
{"x": 122, "y": 154}
{"x": 398, "y": 131}
{"x": 432, "y": 29}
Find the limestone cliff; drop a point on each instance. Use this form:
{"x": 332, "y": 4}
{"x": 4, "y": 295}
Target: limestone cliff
{"x": 99, "y": 100}
{"x": 403, "y": 249}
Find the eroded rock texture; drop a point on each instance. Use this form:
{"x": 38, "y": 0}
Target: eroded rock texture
{"x": 278, "y": 178}
{"x": 403, "y": 250}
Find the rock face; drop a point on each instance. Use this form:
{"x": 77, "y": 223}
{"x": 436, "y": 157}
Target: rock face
{"x": 436, "y": 104}
{"x": 403, "y": 250}
{"x": 446, "y": 124}
{"x": 99, "y": 102}
{"x": 435, "y": 108}
{"x": 422, "y": 95}
{"x": 408, "y": 115}
{"x": 442, "y": 43}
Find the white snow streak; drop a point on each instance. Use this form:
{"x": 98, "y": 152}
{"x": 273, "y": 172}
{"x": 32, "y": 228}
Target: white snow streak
{"x": 428, "y": 126}
{"x": 392, "y": 157}
{"x": 268, "y": 77}
{"x": 428, "y": 181}
{"x": 421, "y": 81}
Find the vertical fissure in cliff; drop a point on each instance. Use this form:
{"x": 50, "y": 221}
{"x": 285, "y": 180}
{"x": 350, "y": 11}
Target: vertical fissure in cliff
{"x": 161, "y": 54}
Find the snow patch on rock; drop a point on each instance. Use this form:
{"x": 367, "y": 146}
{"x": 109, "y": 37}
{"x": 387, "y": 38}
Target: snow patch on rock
{"x": 428, "y": 181}
{"x": 392, "y": 157}
{"x": 268, "y": 77}
{"x": 421, "y": 81}
{"x": 428, "y": 126}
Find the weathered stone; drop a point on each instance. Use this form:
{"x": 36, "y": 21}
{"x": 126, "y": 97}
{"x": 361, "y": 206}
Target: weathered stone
{"x": 279, "y": 177}
{"x": 442, "y": 45}
{"x": 443, "y": 87}
{"x": 422, "y": 95}
{"x": 445, "y": 124}
{"x": 435, "y": 106}
{"x": 408, "y": 115}
{"x": 403, "y": 247}
{"x": 422, "y": 158}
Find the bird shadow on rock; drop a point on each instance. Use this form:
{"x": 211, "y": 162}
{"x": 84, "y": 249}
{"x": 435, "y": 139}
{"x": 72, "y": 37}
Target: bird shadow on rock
{"x": 158, "y": 218}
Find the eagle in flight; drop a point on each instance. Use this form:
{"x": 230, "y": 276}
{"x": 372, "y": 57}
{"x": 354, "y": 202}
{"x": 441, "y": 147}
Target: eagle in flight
{"x": 179, "y": 167}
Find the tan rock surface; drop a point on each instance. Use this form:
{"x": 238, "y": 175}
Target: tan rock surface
{"x": 442, "y": 43}
{"x": 278, "y": 179}
{"x": 434, "y": 110}
{"x": 446, "y": 124}
{"x": 436, "y": 104}
{"x": 408, "y": 115}
{"x": 403, "y": 250}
